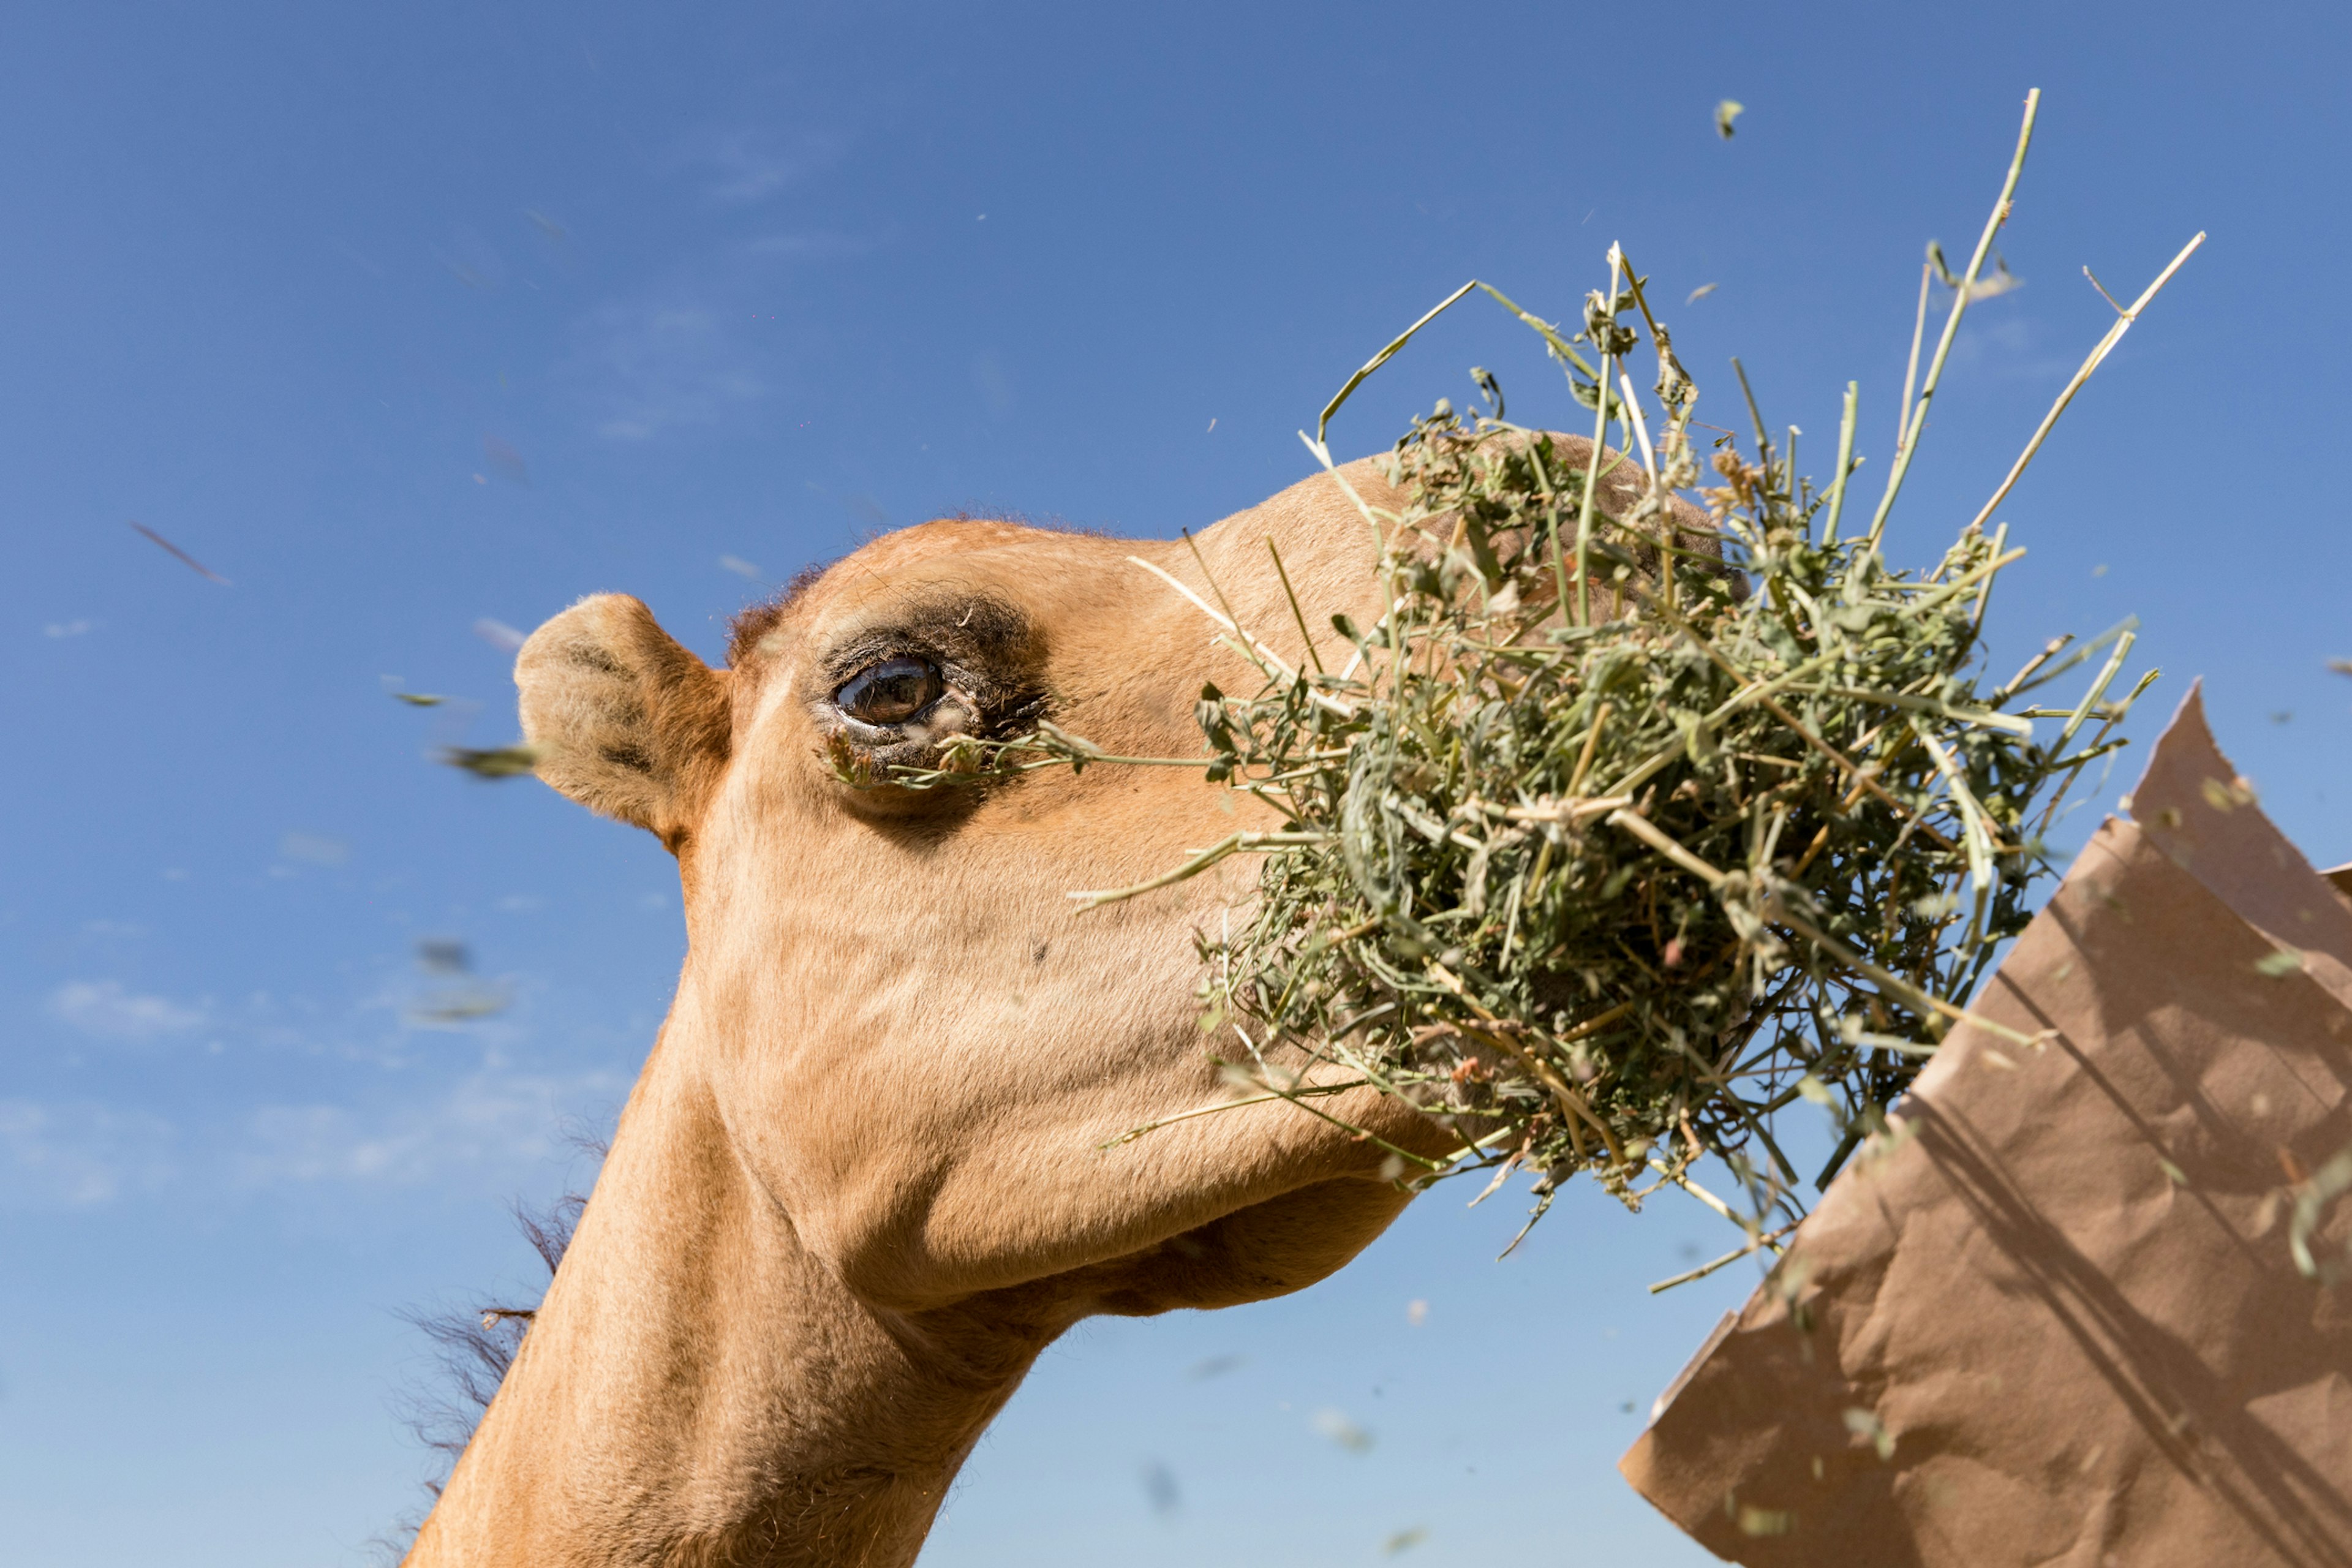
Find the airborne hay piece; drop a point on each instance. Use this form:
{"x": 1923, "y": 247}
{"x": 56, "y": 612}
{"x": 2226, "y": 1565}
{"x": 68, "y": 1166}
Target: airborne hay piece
{"x": 497, "y": 762}
{"x": 1607, "y": 855}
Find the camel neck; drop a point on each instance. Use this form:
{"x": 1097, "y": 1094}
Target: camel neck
{"x": 698, "y": 1388}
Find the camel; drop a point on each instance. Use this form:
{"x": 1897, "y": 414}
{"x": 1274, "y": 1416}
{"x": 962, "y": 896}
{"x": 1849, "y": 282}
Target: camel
{"x": 863, "y": 1178}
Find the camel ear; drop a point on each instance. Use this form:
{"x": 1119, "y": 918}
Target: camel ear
{"x": 626, "y": 722}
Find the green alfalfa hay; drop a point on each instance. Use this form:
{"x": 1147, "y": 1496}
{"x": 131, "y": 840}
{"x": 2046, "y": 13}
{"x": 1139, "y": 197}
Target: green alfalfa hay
{"x": 1605, "y": 855}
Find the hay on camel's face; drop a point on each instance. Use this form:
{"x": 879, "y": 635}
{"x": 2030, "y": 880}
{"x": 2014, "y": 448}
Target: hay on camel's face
{"x": 862, "y": 1181}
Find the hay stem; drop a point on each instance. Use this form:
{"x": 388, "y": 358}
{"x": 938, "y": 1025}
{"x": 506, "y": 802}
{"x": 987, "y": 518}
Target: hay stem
{"x": 1755, "y": 1244}
{"x": 2098, "y": 356}
{"x": 2098, "y": 687}
{"x": 1238, "y": 843}
{"x": 1911, "y": 371}
{"x": 1312, "y": 1090}
{"x": 1323, "y": 422}
{"x": 1916, "y": 422}
{"x": 1642, "y": 829}
{"x": 1682, "y": 1180}
{"x": 1306, "y": 637}
{"x": 1592, "y": 462}
{"x": 1845, "y": 463}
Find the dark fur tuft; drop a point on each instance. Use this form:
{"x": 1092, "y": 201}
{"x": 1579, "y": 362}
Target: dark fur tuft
{"x": 749, "y": 626}
{"x": 473, "y": 1347}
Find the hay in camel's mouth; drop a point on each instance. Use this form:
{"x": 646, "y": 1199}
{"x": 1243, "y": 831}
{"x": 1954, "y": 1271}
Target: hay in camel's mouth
{"x": 1607, "y": 856}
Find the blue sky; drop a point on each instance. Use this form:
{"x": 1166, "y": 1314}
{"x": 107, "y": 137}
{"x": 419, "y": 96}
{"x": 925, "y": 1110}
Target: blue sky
{"x": 415, "y": 321}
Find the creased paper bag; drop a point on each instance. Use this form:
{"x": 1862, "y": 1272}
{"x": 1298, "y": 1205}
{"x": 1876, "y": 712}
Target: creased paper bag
{"x": 2054, "y": 1319}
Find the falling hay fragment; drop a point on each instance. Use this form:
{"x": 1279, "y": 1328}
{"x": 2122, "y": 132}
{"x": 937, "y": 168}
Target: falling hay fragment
{"x": 1701, "y": 293}
{"x": 314, "y": 849}
{"x": 499, "y": 635}
{"x": 418, "y": 699}
{"x": 1159, "y": 1488}
{"x": 505, "y": 461}
{"x": 1730, "y": 109}
{"x": 453, "y": 1007}
{"x": 1335, "y": 1425}
{"x": 191, "y": 562}
{"x": 499, "y": 763}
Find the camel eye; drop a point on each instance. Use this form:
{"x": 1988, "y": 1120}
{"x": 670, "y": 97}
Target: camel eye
{"x": 890, "y": 692}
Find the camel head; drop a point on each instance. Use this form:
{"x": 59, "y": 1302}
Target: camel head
{"x": 873, "y": 1163}
{"x": 917, "y": 1041}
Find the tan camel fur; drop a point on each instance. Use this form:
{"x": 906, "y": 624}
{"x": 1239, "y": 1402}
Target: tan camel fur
{"x": 859, "y": 1184}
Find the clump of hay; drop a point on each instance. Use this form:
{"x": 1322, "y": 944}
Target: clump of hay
{"x": 1609, "y": 854}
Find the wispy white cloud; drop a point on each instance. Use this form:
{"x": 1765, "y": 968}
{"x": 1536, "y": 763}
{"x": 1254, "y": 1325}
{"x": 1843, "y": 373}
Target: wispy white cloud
{"x": 472, "y": 260}
{"x": 492, "y": 1120}
{"x": 660, "y": 362}
{"x": 817, "y": 246}
{"x": 314, "y": 849}
{"x": 690, "y": 352}
{"x": 749, "y": 163}
{"x": 107, "y": 1010}
{"x": 995, "y": 386}
{"x": 494, "y": 1125}
{"x": 684, "y": 352}
{"x": 75, "y": 1155}
{"x": 2010, "y": 345}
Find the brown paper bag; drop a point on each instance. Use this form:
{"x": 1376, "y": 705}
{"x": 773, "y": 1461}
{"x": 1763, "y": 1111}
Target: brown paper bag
{"x": 2054, "y": 1318}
